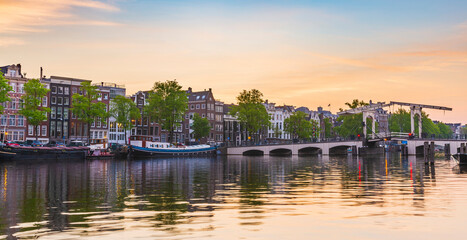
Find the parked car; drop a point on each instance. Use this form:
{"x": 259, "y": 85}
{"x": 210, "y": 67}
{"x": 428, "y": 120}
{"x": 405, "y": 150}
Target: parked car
{"x": 11, "y": 144}
{"x": 55, "y": 144}
{"x": 76, "y": 144}
{"x": 33, "y": 143}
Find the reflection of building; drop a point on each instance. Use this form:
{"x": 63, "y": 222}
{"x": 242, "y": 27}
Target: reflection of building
{"x": 11, "y": 123}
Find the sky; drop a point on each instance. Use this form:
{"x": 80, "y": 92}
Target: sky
{"x": 301, "y": 53}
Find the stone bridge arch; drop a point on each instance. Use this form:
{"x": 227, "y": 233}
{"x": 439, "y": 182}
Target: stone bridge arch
{"x": 339, "y": 150}
{"x": 306, "y": 151}
{"x": 253, "y": 152}
{"x": 280, "y": 152}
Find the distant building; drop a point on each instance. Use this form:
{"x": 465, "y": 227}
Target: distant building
{"x": 204, "y": 104}
{"x": 13, "y": 125}
{"x": 115, "y": 132}
{"x": 277, "y": 116}
{"x": 234, "y": 132}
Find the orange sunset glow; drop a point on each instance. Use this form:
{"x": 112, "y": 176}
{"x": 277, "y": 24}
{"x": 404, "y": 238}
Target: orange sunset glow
{"x": 300, "y": 53}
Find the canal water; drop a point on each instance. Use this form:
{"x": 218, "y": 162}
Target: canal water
{"x": 234, "y": 198}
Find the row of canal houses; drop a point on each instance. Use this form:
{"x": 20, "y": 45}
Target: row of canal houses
{"x": 62, "y": 126}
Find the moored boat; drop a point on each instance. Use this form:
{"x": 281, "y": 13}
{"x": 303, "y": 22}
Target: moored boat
{"x": 25, "y": 153}
{"x": 461, "y": 158}
{"x": 145, "y": 146}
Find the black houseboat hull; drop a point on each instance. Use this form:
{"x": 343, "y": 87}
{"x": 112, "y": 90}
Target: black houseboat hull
{"x": 27, "y": 153}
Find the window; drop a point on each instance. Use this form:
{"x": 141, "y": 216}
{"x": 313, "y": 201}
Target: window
{"x": 74, "y": 90}
{"x": 192, "y": 106}
{"x": 21, "y": 88}
{"x": 54, "y": 89}
{"x": 113, "y": 127}
{"x": 106, "y": 96}
{"x": 65, "y": 129}
{"x": 13, "y": 103}
{"x": 3, "y": 120}
{"x": 52, "y": 112}
{"x": 44, "y": 130}
{"x": 60, "y": 91}
{"x": 99, "y": 122}
{"x": 65, "y": 113}
{"x": 13, "y": 86}
{"x": 67, "y": 90}
{"x": 44, "y": 102}
{"x": 66, "y": 101}
{"x": 20, "y": 120}
{"x": 12, "y": 120}
{"x": 54, "y": 100}
{"x": 197, "y": 106}
{"x": 59, "y": 113}
{"x": 30, "y": 130}
{"x": 21, "y": 136}
{"x": 59, "y": 100}
{"x": 203, "y": 106}
{"x": 59, "y": 129}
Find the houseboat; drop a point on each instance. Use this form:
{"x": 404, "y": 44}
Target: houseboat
{"x": 147, "y": 146}
{"x": 25, "y": 153}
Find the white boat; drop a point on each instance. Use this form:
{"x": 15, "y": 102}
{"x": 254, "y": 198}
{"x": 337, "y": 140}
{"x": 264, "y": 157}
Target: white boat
{"x": 145, "y": 146}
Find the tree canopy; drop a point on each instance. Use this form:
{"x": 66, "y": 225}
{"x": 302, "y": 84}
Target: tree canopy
{"x": 352, "y": 124}
{"x": 298, "y": 126}
{"x": 124, "y": 110}
{"x": 86, "y": 108}
{"x": 250, "y": 111}
{"x": 32, "y": 108}
{"x": 200, "y": 127}
{"x": 167, "y": 104}
{"x": 5, "y": 88}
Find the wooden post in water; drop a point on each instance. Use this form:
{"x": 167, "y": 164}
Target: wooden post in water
{"x": 354, "y": 151}
{"x": 462, "y": 148}
{"x": 432, "y": 152}
{"x": 426, "y": 151}
{"x": 447, "y": 150}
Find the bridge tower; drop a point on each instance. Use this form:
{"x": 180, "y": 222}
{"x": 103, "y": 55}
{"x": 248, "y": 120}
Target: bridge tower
{"x": 414, "y": 111}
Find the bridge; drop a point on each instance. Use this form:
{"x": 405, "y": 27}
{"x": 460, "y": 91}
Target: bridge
{"x": 415, "y": 146}
{"x": 324, "y": 148}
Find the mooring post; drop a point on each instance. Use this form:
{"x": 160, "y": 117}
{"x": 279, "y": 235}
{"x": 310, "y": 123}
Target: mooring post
{"x": 432, "y": 152}
{"x": 354, "y": 150}
{"x": 425, "y": 151}
{"x": 447, "y": 150}
{"x": 462, "y": 148}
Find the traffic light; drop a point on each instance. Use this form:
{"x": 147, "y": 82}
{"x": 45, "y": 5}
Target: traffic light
{"x": 410, "y": 135}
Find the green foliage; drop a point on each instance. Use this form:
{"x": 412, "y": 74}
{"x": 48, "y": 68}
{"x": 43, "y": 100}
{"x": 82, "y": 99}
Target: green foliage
{"x": 124, "y": 110}
{"x": 352, "y": 124}
{"x": 464, "y": 130}
{"x": 85, "y": 105}
{"x": 200, "y": 127}
{"x": 327, "y": 128}
{"x": 400, "y": 122}
{"x": 4, "y": 89}
{"x": 32, "y": 108}
{"x": 251, "y": 111}
{"x": 298, "y": 126}
{"x": 444, "y": 130}
{"x": 167, "y": 104}
{"x": 356, "y": 103}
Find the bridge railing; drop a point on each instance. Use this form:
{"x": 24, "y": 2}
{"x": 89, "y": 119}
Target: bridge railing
{"x": 287, "y": 142}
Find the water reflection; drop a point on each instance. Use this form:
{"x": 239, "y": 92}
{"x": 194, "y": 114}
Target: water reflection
{"x": 203, "y": 197}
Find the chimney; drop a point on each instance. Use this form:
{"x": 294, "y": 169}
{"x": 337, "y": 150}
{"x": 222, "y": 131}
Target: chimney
{"x": 189, "y": 90}
{"x": 210, "y": 89}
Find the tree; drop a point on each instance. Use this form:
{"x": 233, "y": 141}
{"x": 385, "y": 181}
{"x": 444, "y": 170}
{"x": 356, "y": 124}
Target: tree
{"x": 251, "y": 111}
{"x": 352, "y": 124}
{"x": 167, "y": 105}
{"x": 298, "y": 126}
{"x": 200, "y": 127}
{"x": 444, "y": 130}
{"x": 86, "y": 108}
{"x": 400, "y": 122}
{"x": 327, "y": 128}
{"x": 4, "y": 91}
{"x": 32, "y": 108}
{"x": 124, "y": 110}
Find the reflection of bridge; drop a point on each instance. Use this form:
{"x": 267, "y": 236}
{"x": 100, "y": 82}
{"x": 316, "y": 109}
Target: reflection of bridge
{"x": 327, "y": 148}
